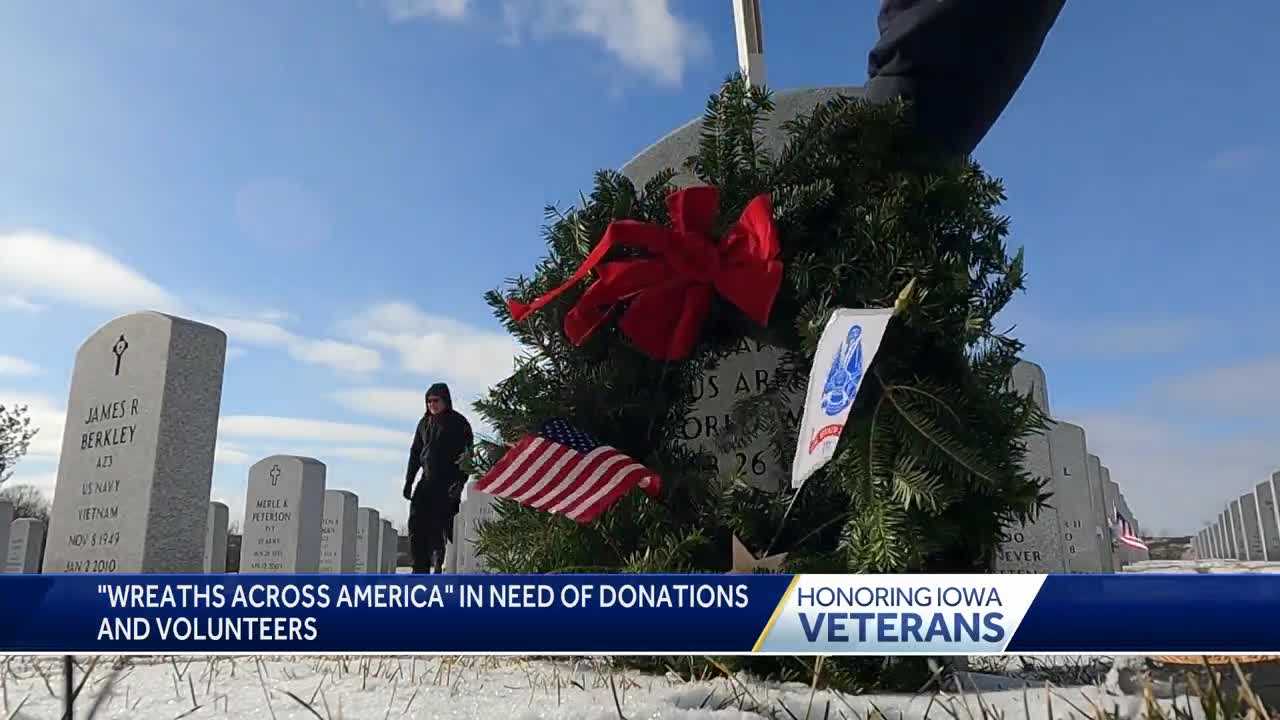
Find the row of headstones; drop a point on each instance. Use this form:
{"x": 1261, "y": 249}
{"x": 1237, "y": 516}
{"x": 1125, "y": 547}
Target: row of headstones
{"x": 22, "y": 540}
{"x": 294, "y": 524}
{"x": 136, "y": 467}
{"x": 1074, "y": 534}
{"x": 1248, "y": 528}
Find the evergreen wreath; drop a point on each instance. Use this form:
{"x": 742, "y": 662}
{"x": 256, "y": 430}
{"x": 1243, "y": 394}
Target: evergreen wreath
{"x": 928, "y": 472}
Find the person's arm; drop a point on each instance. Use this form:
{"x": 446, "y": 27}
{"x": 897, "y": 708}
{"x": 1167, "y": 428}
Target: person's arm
{"x": 959, "y": 61}
{"x": 415, "y": 462}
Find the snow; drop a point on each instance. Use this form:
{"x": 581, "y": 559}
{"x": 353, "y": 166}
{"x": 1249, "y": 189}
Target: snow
{"x": 481, "y": 687}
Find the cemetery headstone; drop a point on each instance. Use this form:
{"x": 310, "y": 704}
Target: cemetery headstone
{"x": 1035, "y": 547}
{"x": 338, "y": 532}
{"x": 1237, "y": 530}
{"x": 744, "y": 373}
{"x": 215, "y": 538}
{"x": 1228, "y": 534}
{"x": 1269, "y": 519}
{"x": 1252, "y": 531}
{"x": 368, "y": 540}
{"x": 476, "y": 508}
{"x": 6, "y": 519}
{"x": 26, "y": 546}
{"x": 1102, "y": 486}
{"x": 1111, "y": 503}
{"x": 1220, "y": 532}
{"x": 1076, "y": 507}
{"x": 282, "y": 514}
{"x": 390, "y": 555}
{"x": 137, "y": 454}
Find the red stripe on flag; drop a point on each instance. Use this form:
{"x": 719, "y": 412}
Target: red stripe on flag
{"x": 562, "y": 487}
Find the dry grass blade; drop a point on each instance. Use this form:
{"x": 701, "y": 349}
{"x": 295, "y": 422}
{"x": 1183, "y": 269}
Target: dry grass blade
{"x": 616, "y": 704}
{"x": 303, "y": 703}
{"x": 45, "y": 678}
{"x": 265, "y": 692}
{"x": 105, "y": 692}
{"x": 813, "y": 687}
{"x": 409, "y": 704}
{"x": 18, "y": 709}
{"x": 188, "y": 712}
{"x": 1246, "y": 691}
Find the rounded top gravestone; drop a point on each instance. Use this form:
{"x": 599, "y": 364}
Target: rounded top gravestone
{"x": 136, "y": 466}
{"x": 282, "y": 517}
{"x": 746, "y": 373}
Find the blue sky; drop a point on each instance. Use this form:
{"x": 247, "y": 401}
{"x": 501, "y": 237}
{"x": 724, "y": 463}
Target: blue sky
{"x": 336, "y": 184}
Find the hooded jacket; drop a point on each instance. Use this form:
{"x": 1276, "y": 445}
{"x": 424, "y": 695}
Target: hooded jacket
{"x": 438, "y": 444}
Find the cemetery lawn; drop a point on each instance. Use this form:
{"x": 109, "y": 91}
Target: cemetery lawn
{"x": 506, "y": 688}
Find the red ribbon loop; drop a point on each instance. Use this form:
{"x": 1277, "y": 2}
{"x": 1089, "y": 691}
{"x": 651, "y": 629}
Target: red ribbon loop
{"x": 670, "y": 292}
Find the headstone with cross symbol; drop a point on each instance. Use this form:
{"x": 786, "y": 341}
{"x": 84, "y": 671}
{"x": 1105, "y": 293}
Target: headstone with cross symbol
{"x": 282, "y": 516}
{"x": 134, "y": 476}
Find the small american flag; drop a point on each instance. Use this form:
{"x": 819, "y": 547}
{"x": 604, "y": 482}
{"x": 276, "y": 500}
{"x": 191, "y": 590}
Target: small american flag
{"x": 1124, "y": 533}
{"x": 561, "y": 469}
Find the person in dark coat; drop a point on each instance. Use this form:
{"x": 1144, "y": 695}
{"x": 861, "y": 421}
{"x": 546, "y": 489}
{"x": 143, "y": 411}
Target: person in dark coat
{"x": 959, "y": 62}
{"x": 442, "y": 439}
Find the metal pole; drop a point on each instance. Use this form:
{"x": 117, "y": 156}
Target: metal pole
{"x": 750, "y": 35}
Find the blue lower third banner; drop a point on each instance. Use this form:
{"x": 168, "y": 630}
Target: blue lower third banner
{"x": 640, "y": 614}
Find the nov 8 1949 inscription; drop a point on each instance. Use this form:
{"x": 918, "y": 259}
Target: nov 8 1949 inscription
{"x": 137, "y": 454}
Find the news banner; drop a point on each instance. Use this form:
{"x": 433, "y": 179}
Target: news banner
{"x": 731, "y": 614}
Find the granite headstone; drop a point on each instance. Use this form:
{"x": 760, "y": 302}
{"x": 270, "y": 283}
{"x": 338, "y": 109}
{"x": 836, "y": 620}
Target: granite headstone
{"x": 26, "y": 546}
{"x": 338, "y": 532}
{"x": 1076, "y": 507}
{"x": 1102, "y": 487}
{"x": 388, "y": 558}
{"x": 6, "y": 519}
{"x": 1252, "y": 531}
{"x": 1037, "y": 546}
{"x": 368, "y": 540}
{"x": 1228, "y": 534}
{"x": 215, "y": 538}
{"x": 1237, "y": 530}
{"x": 283, "y": 510}
{"x": 476, "y": 508}
{"x": 1269, "y": 519}
{"x": 134, "y": 475}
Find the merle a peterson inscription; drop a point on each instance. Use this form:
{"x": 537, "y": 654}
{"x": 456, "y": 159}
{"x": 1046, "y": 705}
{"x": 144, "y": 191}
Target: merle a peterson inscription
{"x": 137, "y": 454}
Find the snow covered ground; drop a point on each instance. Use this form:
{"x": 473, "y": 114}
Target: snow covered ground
{"x": 473, "y": 687}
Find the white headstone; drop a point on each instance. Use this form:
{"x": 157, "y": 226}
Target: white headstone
{"x": 389, "y": 558}
{"x": 1036, "y": 547}
{"x": 368, "y": 540}
{"x": 1268, "y": 519}
{"x": 338, "y": 532}
{"x": 1252, "y": 531}
{"x": 6, "y": 518}
{"x": 1111, "y": 503}
{"x": 1237, "y": 530}
{"x": 1215, "y": 540}
{"x": 1105, "y": 496}
{"x": 1076, "y": 506}
{"x": 137, "y": 453}
{"x": 476, "y": 507}
{"x": 742, "y": 375}
{"x": 1228, "y": 534}
{"x": 282, "y": 515}
{"x": 26, "y": 546}
{"x": 215, "y": 538}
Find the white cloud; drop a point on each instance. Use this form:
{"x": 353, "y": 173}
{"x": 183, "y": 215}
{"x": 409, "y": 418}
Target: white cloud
{"x": 19, "y": 304}
{"x": 402, "y": 10}
{"x": 385, "y": 402}
{"x": 42, "y": 479}
{"x": 381, "y": 456}
{"x": 39, "y": 264}
{"x": 438, "y": 347}
{"x": 225, "y": 454}
{"x": 341, "y": 356}
{"x": 1249, "y": 389}
{"x": 644, "y": 35}
{"x": 47, "y": 415}
{"x": 286, "y": 428}
{"x": 10, "y": 365}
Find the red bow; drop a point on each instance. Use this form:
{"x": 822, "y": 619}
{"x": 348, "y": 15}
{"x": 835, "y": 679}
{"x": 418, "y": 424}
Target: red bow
{"x": 670, "y": 292}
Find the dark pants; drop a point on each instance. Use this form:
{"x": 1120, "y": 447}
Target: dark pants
{"x": 430, "y": 529}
